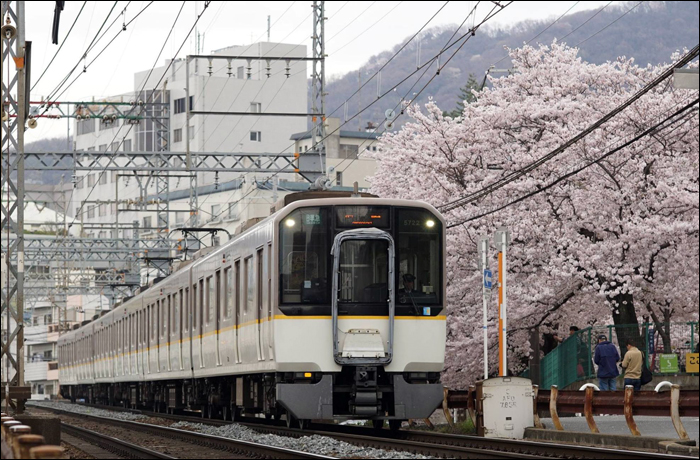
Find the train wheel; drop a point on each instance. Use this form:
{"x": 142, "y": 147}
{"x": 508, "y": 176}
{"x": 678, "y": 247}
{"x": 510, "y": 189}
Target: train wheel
{"x": 378, "y": 424}
{"x": 290, "y": 420}
{"x": 395, "y": 425}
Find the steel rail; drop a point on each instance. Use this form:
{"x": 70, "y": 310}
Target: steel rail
{"x": 429, "y": 443}
{"x": 114, "y": 445}
{"x": 214, "y": 442}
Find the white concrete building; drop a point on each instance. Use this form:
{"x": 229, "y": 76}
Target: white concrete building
{"x": 239, "y": 85}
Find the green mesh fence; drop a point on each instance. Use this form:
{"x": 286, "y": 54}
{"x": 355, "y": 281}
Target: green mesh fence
{"x": 572, "y": 360}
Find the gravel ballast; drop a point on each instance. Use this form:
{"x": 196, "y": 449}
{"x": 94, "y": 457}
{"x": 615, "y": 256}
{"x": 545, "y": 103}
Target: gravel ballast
{"x": 322, "y": 445}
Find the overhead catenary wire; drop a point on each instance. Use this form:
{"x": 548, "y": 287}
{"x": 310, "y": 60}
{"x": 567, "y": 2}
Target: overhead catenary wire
{"x": 688, "y": 57}
{"x": 447, "y": 46}
{"x": 60, "y": 47}
{"x": 613, "y": 22}
{"x": 671, "y": 119}
{"x": 165, "y": 72}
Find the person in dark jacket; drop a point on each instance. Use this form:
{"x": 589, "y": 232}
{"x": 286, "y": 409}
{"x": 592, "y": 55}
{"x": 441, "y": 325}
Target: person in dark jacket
{"x": 606, "y": 357}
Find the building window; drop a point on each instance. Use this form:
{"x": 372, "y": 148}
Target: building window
{"x": 339, "y": 178}
{"x": 233, "y": 210}
{"x": 190, "y": 132}
{"x": 91, "y": 180}
{"x": 91, "y": 212}
{"x": 348, "y": 151}
{"x": 256, "y": 136}
{"x": 79, "y": 182}
{"x": 255, "y": 107}
{"x": 115, "y": 176}
{"x": 127, "y": 145}
{"x": 240, "y": 72}
{"x": 179, "y": 105}
{"x": 114, "y": 147}
{"x": 85, "y": 126}
{"x": 215, "y": 211}
{"x": 179, "y": 218}
{"x": 103, "y": 148}
{"x": 114, "y": 208}
{"x": 102, "y": 209}
{"x": 77, "y": 211}
{"x": 147, "y": 224}
{"x": 177, "y": 135}
{"x": 103, "y": 178}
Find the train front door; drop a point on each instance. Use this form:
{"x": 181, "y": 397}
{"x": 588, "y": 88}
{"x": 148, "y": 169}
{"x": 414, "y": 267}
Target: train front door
{"x": 363, "y": 286}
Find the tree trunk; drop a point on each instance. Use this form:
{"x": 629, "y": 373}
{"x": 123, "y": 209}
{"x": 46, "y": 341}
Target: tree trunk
{"x": 625, "y": 320}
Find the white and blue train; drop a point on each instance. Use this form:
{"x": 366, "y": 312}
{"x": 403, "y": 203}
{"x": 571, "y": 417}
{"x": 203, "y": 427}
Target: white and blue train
{"x": 330, "y": 308}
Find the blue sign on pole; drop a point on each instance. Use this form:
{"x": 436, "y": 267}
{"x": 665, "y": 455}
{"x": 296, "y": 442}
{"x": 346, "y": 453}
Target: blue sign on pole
{"x": 650, "y": 334}
{"x": 488, "y": 276}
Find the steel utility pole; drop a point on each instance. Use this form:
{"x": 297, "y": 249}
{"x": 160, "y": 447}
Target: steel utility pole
{"x": 15, "y": 393}
{"x": 502, "y": 240}
{"x": 318, "y": 86}
{"x": 483, "y": 251}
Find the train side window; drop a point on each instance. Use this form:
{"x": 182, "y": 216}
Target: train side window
{"x": 164, "y": 316}
{"x": 237, "y": 291}
{"x": 249, "y": 286}
{"x": 201, "y": 304}
{"x": 194, "y": 306}
{"x": 178, "y": 313}
{"x": 185, "y": 310}
{"x": 154, "y": 321}
{"x": 211, "y": 298}
{"x": 217, "y": 297}
{"x": 228, "y": 292}
{"x": 259, "y": 283}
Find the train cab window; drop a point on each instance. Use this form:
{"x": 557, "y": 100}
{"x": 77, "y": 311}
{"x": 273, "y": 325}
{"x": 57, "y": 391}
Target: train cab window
{"x": 364, "y": 271}
{"x": 228, "y": 292}
{"x": 418, "y": 258}
{"x": 304, "y": 249}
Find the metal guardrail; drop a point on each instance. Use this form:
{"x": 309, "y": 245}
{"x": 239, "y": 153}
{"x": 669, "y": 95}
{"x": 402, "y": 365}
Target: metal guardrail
{"x": 675, "y": 403}
{"x": 18, "y": 442}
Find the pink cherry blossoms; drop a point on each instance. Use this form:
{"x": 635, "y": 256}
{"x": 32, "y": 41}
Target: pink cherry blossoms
{"x": 614, "y": 243}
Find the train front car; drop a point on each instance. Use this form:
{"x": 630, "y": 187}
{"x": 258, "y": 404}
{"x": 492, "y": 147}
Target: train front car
{"x": 361, "y": 309}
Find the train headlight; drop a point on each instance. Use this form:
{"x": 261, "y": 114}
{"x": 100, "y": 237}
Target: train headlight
{"x": 430, "y": 223}
{"x": 289, "y": 223}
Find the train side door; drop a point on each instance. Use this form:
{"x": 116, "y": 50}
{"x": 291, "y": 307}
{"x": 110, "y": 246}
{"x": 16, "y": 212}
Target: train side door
{"x": 237, "y": 307}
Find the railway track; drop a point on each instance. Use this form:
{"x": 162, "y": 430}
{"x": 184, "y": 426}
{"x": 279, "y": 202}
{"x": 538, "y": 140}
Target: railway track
{"x": 188, "y": 444}
{"x": 429, "y": 443}
{"x": 116, "y": 446}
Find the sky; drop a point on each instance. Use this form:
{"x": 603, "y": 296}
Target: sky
{"x": 354, "y": 32}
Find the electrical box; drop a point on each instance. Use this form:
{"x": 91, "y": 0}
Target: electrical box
{"x": 505, "y": 407}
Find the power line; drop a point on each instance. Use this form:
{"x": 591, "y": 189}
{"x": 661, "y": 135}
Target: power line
{"x": 587, "y": 20}
{"x": 620, "y": 17}
{"x": 446, "y": 47}
{"x": 165, "y": 72}
{"x": 542, "y": 160}
{"x": 543, "y": 31}
{"x": 60, "y": 46}
{"x": 350, "y": 23}
{"x": 646, "y": 132}
{"x": 368, "y": 28}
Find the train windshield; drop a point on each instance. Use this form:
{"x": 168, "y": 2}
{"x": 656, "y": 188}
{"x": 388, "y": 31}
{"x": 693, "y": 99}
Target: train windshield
{"x": 305, "y": 248}
{"x": 306, "y": 237}
{"x": 418, "y": 262}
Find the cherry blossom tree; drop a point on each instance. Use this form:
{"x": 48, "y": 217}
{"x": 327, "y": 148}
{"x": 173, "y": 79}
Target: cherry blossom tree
{"x": 614, "y": 243}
